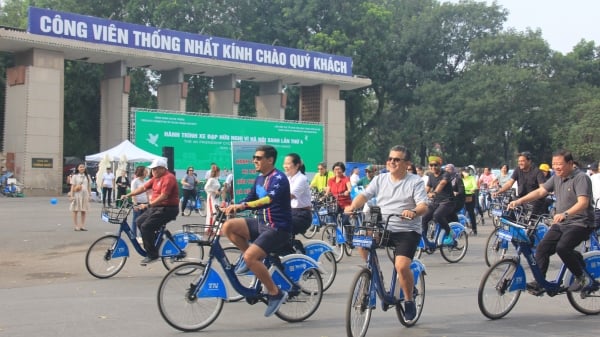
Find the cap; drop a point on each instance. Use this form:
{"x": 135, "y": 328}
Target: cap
{"x": 593, "y": 166}
{"x": 544, "y": 167}
{"x": 109, "y": 168}
{"x": 472, "y": 167}
{"x": 435, "y": 159}
{"x": 369, "y": 168}
{"x": 158, "y": 162}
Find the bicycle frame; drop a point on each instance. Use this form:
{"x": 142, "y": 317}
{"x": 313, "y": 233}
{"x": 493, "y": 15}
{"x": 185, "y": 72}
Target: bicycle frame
{"x": 455, "y": 227}
{"x": 517, "y": 235}
{"x": 174, "y": 245}
{"x": 285, "y": 271}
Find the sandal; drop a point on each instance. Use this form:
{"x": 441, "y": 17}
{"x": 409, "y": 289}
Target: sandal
{"x": 76, "y": 229}
{"x": 83, "y": 229}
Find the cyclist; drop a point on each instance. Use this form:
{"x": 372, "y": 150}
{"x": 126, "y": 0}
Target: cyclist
{"x": 439, "y": 189}
{"x": 458, "y": 188}
{"x": 572, "y": 223}
{"x": 270, "y": 230}
{"x": 320, "y": 179}
{"x": 188, "y": 184}
{"x": 528, "y": 178}
{"x": 398, "y": 192}
{"x": 162, "y": 208}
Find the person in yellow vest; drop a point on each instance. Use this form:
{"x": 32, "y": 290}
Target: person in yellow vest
{"x": 470, "y": 200}
{"x": 320, "y": 179}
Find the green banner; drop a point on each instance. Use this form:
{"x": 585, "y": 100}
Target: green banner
{"x": 199, "y": 140}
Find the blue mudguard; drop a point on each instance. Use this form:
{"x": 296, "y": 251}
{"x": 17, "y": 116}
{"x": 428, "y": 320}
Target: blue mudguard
{"x": 592, "y": 265}
{"x": 315, "y": 248}
{"x": 457, "y": 228}
{"x": 295, "y": 265}
{"x": 121, "y": 249}
{"x": 417, "y": 268}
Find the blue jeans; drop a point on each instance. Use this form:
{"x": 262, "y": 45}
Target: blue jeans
{"x": 136, "y": 214}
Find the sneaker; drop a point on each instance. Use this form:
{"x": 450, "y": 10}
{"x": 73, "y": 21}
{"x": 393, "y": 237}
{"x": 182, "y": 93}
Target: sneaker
{"x": 241, "y": 268}
{"x": 534, "y": 288}
{"x": 410, "y": 310}
{"x": 147, "y": 260}
{"x": 448, "y": 240}
{"x": 274, "y": 302}
{"x": 578, "y": 283}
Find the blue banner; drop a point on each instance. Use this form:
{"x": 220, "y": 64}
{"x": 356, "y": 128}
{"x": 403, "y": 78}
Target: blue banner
{"x": 95, "y": 30}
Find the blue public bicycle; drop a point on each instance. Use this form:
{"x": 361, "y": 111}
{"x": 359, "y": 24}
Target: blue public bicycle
{"x": 503, "y": 282}
{"x": 368, "y": 284}
{"x": 196, "y": 204}
{"x": 191, "y": 296}
{"x": 319, "y": 213}
{"x": 108, "y": 254}
{"x": 433, "y": 240}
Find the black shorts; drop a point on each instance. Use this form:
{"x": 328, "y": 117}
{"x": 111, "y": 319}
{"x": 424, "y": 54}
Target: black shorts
{"x": 267, "y": 238}
{"x": 405, "y": 243}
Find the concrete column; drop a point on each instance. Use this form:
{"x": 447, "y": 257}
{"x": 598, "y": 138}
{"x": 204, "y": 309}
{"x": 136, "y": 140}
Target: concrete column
{"x": 172, "y": 92}
{"x": 271, "y": 100}
{"x": 114, "y": 105}
{"x": 34, "y": 120}
{"x": 224, "y": 98}
{"x": 322, "y": 104}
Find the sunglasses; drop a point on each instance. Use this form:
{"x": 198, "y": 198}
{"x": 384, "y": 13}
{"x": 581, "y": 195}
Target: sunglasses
{"x": 257, "y": 158}
{"x": 434, "y": 165}
{"x": 395, "y": 160}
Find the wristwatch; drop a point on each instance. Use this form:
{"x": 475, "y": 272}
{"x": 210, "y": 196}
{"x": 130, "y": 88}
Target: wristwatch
{"x": 566, "y": 214}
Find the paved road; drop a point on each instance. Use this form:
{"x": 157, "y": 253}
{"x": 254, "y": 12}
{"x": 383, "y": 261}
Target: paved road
{"x": 45, "y": 290}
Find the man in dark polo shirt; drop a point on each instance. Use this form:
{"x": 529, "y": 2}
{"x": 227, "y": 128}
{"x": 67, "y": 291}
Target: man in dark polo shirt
{"x": 528, "y": 178}
{"x": 162, "y": 208}
{"x": 572, "y": 223}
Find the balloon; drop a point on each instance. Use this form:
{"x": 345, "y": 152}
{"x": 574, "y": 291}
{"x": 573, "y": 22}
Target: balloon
{"x": 53, "y": 201}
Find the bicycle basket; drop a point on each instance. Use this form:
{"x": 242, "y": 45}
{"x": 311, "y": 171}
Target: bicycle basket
{"x": 201, "y": 234}
{"x": 116, "y": 215}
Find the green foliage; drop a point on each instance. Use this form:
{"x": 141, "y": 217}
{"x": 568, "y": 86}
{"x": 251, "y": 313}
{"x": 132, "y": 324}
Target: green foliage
{"x": 446, "y": 76}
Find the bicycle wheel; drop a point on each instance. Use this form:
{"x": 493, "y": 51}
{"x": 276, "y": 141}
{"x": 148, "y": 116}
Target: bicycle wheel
{"x": 304, "y": 299}
{"x": 457, "y": 251}
{"x": 328, "y": 265}
{"x": 330, "y": 236}
{"x": 193, "y": 253}
{"x": 99, "y": 261}
{"x": 234, "y": 254}
{"x": 418, "y": 297}
{"x": 179, "y": 306}
{"x": 358, "y": 311}
{"x": 310, "y": 232}
{"x": 202, "y": 209}
{"x": 494, "y": 250}
{"x": 494, "y": 297}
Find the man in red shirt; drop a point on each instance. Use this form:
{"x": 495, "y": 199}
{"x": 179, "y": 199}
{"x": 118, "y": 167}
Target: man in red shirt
{"x": 162, "y": 208}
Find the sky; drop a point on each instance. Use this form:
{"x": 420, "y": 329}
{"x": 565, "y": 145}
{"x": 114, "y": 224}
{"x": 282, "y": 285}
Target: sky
{"x": 563, "y": 22}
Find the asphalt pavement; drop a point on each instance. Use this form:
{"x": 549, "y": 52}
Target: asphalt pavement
{"x": 45, "y": 290}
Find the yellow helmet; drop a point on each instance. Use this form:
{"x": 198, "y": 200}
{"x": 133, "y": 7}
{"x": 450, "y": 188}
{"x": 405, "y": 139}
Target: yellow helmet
{"x": 544, "y": 167}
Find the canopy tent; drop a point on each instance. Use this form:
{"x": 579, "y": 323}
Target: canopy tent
{"x": 127, "y": 149}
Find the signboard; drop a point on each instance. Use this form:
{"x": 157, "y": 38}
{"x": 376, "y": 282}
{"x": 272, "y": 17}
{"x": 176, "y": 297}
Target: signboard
{"x": 244, "y": 172}
{"x": 42, "y": 163}
{"x": 102, "y": 31}
{"x": 199, "y": 140}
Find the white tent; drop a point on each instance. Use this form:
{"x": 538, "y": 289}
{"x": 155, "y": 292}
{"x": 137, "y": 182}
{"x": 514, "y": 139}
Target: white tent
{"x": 133, "y": 154}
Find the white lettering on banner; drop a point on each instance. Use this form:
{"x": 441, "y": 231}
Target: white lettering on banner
{"x": 200, "y": 47}
{"x": 110, "y": 34}
{"x": 189, "y": 135}
{"x": 300, "y": 61}
{"x": 60, "y": 26}
{"x": 271, "y": 57}
{"x": 172, "y": 134}
{"x": 157, "y": 41}
{"x": 235, "y": 52}
{"x": 330, "y": 65}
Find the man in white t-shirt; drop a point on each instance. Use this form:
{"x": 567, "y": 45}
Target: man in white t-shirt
{"x": 595, "y": 178}
{"x": 354, "y": 177}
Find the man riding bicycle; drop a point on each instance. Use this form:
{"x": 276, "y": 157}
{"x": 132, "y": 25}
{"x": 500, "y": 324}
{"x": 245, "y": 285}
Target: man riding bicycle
{"x": 270, "y": 230}
{"x": 439, "y": 189}
{"x": 572, "y": 223}
{"x": 398, "y": 192}
{"x": 162, "y": 208}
